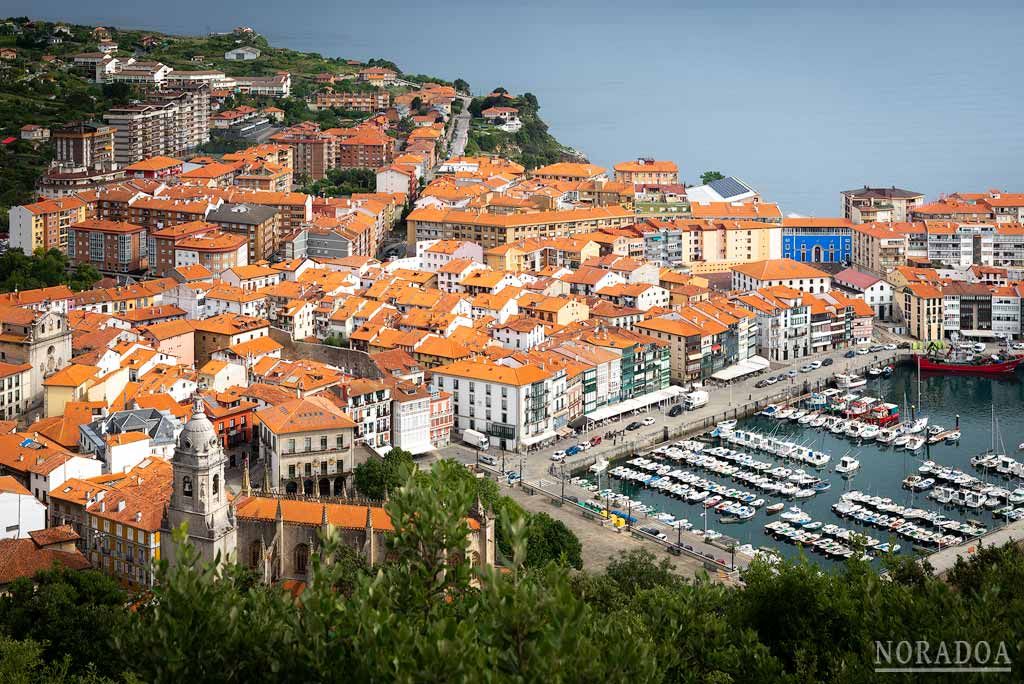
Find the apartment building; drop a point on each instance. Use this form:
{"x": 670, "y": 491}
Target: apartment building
{"x": 368, "y": 148}
{"x": 313, "y": 151}
{"x": 493, "y": 229}
{"x": 141, "y": 131}
{"x": 783, "y": 322}
{"x": 215, "y": 250}
{"x": 515, "y": 406}
{"x": 110, "y": 246}
{"x": 44, "y": 225}
{"x": 879, "y": 248}
{"x": 868, "y": 205}
{"x": 259, "y": 225}
{"x": 83, "y": 145}
{"x": 377, "y": 101}
{"x": 162, "y": 244}
{"x": 922, "y": 310}
{"x": 711, "y": 245}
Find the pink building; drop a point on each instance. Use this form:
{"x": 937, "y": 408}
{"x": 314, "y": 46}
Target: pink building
{"x": 176, "y": 338}
{"x": 442, "y": 417}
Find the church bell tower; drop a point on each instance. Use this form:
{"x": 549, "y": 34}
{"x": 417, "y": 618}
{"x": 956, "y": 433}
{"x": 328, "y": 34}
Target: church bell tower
{"x": 199, "y": 495}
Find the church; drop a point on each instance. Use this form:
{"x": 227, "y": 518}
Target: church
{"x": 271, "y": 533}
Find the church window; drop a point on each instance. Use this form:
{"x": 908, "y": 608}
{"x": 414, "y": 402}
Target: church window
{"x": 254, "y": 554}
{"x": 301, "y": 559}
{"x": 186, "y": 485}
{"x": 216, "y": 485}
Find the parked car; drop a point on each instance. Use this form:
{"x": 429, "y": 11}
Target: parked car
{"x": 675, "y": 410}
{"x": 791, "y": 374}
{"x": 635, "y": 425}
{"x": 862, "y": 351}
{"x": 875, "y": 348}
{"x": 573, "y": 450}
{"x": 648, "y": 421}
{"x": 771, "y": 380}
{"x": 572, "y": 498}
{"x": 850, "y": 354}
{"x": 761, "y": 384}
{"x": 1018, "y": 345}
{"x": 595, "y": 440}
{"x": 558, "y": 456}
{"x": 890, "y": 346}
{"x": 815, "y": 364}
{"x": 583, "y": 446}
{"x": 806, "y": 368}
{"x": 827, "y": 362}
{"x": 654, "y": 532}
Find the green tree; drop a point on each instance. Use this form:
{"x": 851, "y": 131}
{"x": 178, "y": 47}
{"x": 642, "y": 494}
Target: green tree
{"x": 377, "y": 477}
{"x": 461, "y": 85}
{"x": 549, "y": 540}
{"x": 709, "y": 176}
{"x": 69, "y": 614}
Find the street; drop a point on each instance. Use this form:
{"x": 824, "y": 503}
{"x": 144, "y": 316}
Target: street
{"x": 538, "y": 470}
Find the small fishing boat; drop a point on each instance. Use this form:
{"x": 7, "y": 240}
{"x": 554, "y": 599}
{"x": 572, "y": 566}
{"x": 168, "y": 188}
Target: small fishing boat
{"x": 953, "y": 436}
{"x": 774, "y": 508}
{"x": 886, "y": 436}
{"x": 870, "y": 432}
{"x": 847, "y": 464}
{"x": 901, "y": 440}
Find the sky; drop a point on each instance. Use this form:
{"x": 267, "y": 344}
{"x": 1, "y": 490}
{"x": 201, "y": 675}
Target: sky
{"x": 800, "y": 100}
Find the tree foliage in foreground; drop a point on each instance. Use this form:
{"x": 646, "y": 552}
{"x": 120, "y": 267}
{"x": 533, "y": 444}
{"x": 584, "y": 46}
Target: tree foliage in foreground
{"x": 428, "y": 616}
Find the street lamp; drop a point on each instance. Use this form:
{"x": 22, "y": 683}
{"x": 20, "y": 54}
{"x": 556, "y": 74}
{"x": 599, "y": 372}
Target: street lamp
{"x": 562, "y": 469}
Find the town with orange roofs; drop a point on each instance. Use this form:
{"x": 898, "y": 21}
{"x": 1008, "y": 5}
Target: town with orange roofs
{"x": 292, "y": 276}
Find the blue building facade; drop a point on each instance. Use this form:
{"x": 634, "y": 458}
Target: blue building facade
{"x": 817, "y": 245}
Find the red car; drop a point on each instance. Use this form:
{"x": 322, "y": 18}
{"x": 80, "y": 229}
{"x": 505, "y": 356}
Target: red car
{"x": 594, "y": 441}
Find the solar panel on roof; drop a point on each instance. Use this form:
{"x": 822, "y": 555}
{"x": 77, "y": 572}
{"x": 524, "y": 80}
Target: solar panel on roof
{"x": 729, "y": 187}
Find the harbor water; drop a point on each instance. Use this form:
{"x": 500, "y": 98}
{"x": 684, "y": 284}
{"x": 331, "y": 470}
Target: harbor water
{"x": 942, "y": 398}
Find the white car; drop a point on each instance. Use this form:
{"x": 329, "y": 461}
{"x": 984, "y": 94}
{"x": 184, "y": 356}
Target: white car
{"x": 558, "y": 456}
{"x": 806, "y": 369}
{"x": 1018, "y": 345}
{"x": 583, "y": 446}
{"x": 815, "y": 364}
{"x": 891, "y": 347}
{"x": 648, "y": 421}
{"x": 862, "y": 351}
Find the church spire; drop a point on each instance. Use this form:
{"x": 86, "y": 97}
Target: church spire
{"x": 266, "y": 478}
{"x": 246, "y": 484}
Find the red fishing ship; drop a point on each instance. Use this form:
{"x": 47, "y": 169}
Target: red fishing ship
{"x": 963, "y": 358}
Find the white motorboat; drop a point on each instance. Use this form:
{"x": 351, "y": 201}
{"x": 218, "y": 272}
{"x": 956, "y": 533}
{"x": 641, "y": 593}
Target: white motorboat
{"x": 798, "y": 414}
{"x": 819, "y": 420}
{"x": 726, "y": 425}
{"x": 839, "y": 427}
{"x": 953, "y": 436}
{"x": 901, "y": 440}
{"x": 870, "y": 432}
{"x": 783, "y": 413}
{"x": 914, "y": 443}
{"x": 844, "y": 381}
{"x": 935, "y": 429}
{"x": 774, "y": 508}
{"x": 1016, "y": 496}
{"x": 847, "y": 464}
{"x": 886, "y": 435}
{"x": 809, "y": 418}
{"x": 854, "y": 429}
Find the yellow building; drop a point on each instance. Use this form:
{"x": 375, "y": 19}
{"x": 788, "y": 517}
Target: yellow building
{"x": 647, "y": 172}
{"x": 44, "y": 225}
{"x": 124, "y": 523}
{"x": 558, "y": 310}
{"x": 69, "y": 384}
{"x": 491, "y": 230}
{"x": 921, "y": 304}
{"x": 568, "y": 171}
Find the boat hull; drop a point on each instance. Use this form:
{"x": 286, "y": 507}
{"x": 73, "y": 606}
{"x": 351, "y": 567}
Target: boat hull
{"x": 989, "y": 368}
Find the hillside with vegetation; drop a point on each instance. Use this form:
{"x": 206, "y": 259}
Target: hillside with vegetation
{"x": 532, "y": 145}
{"x": 427, "y": 616}
{"x": 34, "y": 90}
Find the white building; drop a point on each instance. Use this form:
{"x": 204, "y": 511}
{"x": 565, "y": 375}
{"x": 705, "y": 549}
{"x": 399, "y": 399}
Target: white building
{"x": 243, "y": 53}
{"x": 396, "y": 179}
{"x": 20, "y": 512}
{"x": 520, "y": 333}
{"x": 783, "y": 323}
{"x": 49, "y": 473}
{"x": 515, "y": 406}
{"x": 436, "y": 254}
{"x": 785, "y": 272}
{"x": 410, "y": 418}
{"x": 877, "y": 293}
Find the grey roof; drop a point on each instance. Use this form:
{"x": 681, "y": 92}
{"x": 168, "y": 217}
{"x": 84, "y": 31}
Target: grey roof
{"x": 882, "y": 193}
{"x": 161, "y": 426}
{"x": 730, "y": 187}
{"x": 248, "y": 214}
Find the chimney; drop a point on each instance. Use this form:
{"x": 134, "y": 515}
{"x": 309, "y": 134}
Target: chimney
{"x": 120, "y": 505}
{"x": 138, "y": 516}
{"x": 103, "y": 506}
